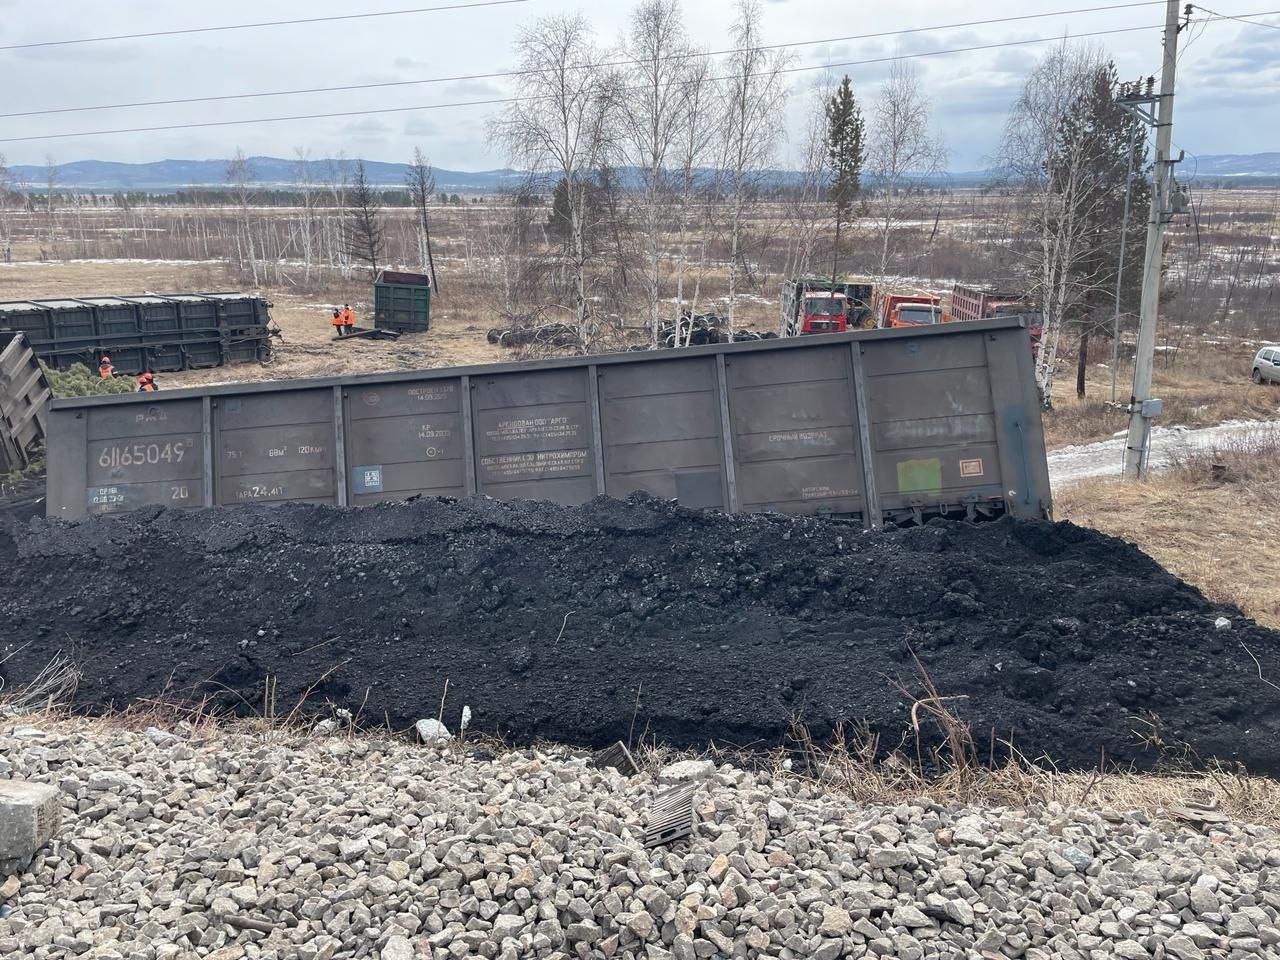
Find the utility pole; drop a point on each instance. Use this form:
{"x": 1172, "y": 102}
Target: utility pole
{"x": 1141, "y": 406}
{"x": 1124, "y": 242}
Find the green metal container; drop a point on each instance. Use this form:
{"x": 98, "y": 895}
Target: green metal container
{"x": 402, "y": 302}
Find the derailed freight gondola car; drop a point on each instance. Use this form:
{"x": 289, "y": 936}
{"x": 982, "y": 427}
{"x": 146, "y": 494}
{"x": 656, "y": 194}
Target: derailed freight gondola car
{"x": 24, "y": 395}
{"x": 151, "y": 332}
{"x": 878, "y": 426}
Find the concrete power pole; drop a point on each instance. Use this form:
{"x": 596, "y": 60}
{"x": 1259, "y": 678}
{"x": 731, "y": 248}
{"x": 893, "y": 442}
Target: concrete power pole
{"x": 1141, "y": 406}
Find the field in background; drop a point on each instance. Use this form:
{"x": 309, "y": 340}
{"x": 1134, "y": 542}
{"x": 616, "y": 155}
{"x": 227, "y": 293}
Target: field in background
{"x": 501, "y": 263}
{"x": 307, "y": 350}
{"x": 1200, "y": 388}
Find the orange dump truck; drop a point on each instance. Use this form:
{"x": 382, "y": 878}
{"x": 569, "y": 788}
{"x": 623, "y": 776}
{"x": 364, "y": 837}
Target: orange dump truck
{"x": 909, "y": 310}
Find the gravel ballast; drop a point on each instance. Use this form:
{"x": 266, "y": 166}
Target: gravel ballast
{"x": 586, "y": 624}
{"x": 208, "y": 843}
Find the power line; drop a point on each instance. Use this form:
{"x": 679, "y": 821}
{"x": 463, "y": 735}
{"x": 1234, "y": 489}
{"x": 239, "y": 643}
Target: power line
{"x": 252, "y": 26}
{"x": 1243, "y": 17}
{"x": 501, "y": 100}
{"x": 615, "y": 63}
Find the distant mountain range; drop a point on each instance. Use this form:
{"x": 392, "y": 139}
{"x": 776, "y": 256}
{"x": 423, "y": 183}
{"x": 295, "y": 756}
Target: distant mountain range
{"x": 1232, "y": 165}
{"x": 167, "y": 175}
{"x": 164, "y": 176}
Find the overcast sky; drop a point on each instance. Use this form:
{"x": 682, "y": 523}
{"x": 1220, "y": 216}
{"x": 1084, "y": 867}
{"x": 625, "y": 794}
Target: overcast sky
{"x": 1228, "y": 80}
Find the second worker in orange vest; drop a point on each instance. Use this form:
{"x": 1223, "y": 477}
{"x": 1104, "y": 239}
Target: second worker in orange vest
{"x": 348, "y": 318}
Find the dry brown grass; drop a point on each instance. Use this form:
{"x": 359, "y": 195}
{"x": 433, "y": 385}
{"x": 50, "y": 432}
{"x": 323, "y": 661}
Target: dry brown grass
{"x": 1214, "y": 528}
{"x": 1200, "y": 390}
{"x": 308, "y": 348}
{"x": 847, "y": 764}
{"x": 459, "y": 318}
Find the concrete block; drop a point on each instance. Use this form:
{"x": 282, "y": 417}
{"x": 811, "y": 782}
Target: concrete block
{"x": 30, "y": 814}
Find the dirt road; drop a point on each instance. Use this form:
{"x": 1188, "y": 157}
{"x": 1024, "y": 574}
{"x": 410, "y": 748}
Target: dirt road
{"x": 1168, "y": 444}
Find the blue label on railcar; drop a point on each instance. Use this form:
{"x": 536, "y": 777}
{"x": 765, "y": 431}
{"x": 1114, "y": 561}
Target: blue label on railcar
{"x": 366, "y": 479}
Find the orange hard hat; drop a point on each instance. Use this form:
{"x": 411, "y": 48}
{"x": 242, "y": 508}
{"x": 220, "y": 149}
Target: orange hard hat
{"x": 106, "y": 359}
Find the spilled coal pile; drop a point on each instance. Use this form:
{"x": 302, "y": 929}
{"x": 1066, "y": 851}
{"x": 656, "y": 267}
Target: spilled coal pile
{"x": 620, "y": 618}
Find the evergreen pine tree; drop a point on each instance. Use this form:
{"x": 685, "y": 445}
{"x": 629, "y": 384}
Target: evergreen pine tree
{"x": 845, "y": 130}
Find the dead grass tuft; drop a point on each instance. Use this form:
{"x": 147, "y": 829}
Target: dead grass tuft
{"x": 848, "y": 763}
{"x": 49, "y": 691}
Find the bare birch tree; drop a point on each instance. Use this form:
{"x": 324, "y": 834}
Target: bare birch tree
{"x": 753, "y": 125}
{"x": 421, "y": 181}
{"x": 6, "y": 188}
{"x": 695, "y": 196}
{"x": 509, "y": 266}
{"x": 651, "y": 109}
{"x": 331, "y": 222}
{"x": 804, "y": 210}
{"x": 560, "y": 125}
{"x": 902, "y": 155}
{"x": 51, "y": 189}
{"x": 304, "y": 183}
{"x": 240, "y": 176}
{"x": 1067, "y": 170}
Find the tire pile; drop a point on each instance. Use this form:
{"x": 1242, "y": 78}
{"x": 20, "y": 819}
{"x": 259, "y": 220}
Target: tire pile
{"x": 581, "y": 624}
{"x": 545, "y": 334}
{"x": 696, "y": 330}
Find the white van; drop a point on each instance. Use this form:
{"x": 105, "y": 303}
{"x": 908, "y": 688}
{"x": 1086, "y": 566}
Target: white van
{"x": 1266, "y": 365}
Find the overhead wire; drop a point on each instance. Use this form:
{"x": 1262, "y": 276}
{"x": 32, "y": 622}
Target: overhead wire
{"x": 518, "y": 73}
{"x": 507, "y": 100}
{"x": 253, "y": 26}
{"x": 503, "y": 100}
{"x": 1243, "y": 17}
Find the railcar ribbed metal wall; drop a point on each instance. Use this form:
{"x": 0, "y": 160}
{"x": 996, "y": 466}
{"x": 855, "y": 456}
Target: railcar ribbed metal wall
{"x": 878, "y": 425}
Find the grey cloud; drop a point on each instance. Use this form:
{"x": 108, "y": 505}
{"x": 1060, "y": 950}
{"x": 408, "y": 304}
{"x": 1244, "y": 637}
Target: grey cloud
{"x": 989, "y": 102}
{"x": 366, "y": 127}
{"x": 1233, "y": 98}
{"x": 825, "y": 52}
{"x": 1014, "y": 60}
{"x": 1224, "y": 74}
{"x": 76, "y": 54}
{"x": 1250, "y": 48}
{"x": 420, "y": 127}
{"x": 472, "y": 90}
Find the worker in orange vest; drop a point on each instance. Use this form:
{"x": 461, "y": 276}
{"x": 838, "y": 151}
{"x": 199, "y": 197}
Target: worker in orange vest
{"x": 338, "y": 327}
{"x": 105, "y": 369}
{"x": 147, "y": 383}
{"x": 348, "y": 318}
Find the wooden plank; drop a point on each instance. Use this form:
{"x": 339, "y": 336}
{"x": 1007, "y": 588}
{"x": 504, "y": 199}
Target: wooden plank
{"x": 670, "y": 816}
{"x": 357, "y": 333}
{"x": 618, "y": 757}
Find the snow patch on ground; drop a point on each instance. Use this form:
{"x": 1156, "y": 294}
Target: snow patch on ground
{"x": 1105, "y": 458}
{"x": 60, "y": 263}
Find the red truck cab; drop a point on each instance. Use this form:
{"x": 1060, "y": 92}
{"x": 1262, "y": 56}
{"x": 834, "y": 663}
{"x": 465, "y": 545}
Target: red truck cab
{"x": 824, "y": 312}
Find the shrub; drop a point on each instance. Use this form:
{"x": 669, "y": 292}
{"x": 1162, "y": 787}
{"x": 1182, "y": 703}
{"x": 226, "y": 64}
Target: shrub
{"x": 79, "y": 381}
